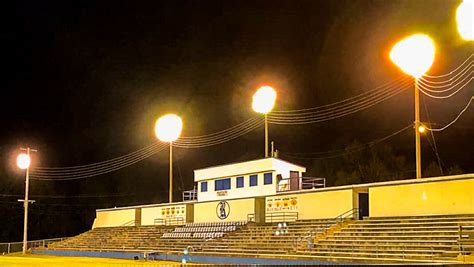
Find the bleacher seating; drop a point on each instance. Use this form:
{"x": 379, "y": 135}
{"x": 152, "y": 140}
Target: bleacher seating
{"x": 378, "y": 240}
{"x": 204, "y": 230}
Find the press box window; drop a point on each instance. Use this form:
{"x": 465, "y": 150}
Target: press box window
{"x": 222, "y": 184}
{"x": 204, "y": 187}
{"x": 267, "y": 178}
{"x": 253, "y": 180}
{"x": 240, "y": 182}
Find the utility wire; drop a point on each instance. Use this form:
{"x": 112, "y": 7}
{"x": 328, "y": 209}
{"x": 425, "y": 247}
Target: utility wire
{"x": 348, "y": 151}
{"x": 455, "y": 119}
{"x": 423, "y": 90}
{"x": 451, "y": 72}
{"x": 336, "y": 114}
{"x": 451, "y": 83}
{"x": 376, "y": 90}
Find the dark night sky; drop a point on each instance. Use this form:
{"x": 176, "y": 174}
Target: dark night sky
{"x": 84, "y": 81}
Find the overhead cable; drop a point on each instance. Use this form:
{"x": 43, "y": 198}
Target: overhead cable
{"x": 455, "y": 119}
{"x": 345, "y": 151}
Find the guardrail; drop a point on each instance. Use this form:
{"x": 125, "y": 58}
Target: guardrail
{"x": 466, "y": 239}
{"x": 169, "y": 221}
{"x": 130, "y": 223}
{"x": 251, "y": 217}
{"x": 303, "y": 183}
{"x": 281, "y": 217}
{"x": 309, "y": 235}
{"x": 11, "y": 247}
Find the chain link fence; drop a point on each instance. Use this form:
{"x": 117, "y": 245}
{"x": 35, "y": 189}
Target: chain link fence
{"x": 11, "y": 247}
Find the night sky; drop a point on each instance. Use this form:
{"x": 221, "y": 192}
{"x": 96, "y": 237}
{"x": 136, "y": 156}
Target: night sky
{"x": 85, "y": 81}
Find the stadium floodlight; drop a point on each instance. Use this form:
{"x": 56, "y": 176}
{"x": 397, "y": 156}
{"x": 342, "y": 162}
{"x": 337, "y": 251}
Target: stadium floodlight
{"x": 263, "y": 102}
{"x": 465, "y": 19}
{"x": 23, "y": 161}
{"x": 168, "y": 129}
{"x": 414, "y": 55}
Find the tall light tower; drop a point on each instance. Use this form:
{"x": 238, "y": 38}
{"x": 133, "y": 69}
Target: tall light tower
{"x": 465, "y": 19}
{"x": 23, "y": 162}
{"x": 263, "y": 102}
{"x": 414, "y": 55}
{"x": 168, "y": 129}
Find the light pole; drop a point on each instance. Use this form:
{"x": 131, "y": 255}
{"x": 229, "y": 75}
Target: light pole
{"x": 167, "y": 129}
{"x": 263, "y": 102}
{"x": 23, "y": 162}
{"x": 465, "y": 19}
{"x": 414, "y": 55}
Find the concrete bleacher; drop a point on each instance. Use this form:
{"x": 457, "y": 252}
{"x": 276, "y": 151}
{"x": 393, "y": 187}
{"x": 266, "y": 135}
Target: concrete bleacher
{"x": 204, "y": 230}
{"x": 416, "y": 239}
{"x": 376, "y": 240}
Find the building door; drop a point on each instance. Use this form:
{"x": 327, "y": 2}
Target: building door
{"x": 363, "y": 205}
{"x": 294, "y": 181}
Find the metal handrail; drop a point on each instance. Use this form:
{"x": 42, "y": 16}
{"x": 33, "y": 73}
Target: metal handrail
{"x": 306, "y": 183}
{"x": 190, "y": 195}
{"x": 129, "y": 223}
{"x": 251, "y": 217}
{"x": 286, "y": 216}
{"x": 169, "y": 221}
{"x": 464, "y": 235}
{"x": 354, "y": 212}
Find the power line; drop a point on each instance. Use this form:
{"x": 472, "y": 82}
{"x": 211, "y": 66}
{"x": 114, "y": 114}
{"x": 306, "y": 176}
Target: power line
{"x": 451, "y": 72}
{"x": 455, "y": 119}
{"x": 348, "y": 151}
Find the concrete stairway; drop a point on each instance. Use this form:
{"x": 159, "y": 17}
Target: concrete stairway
{"x": 415, "y": 239}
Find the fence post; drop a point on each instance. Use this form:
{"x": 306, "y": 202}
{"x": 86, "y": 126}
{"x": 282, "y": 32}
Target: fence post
{"x": 8, "y": 248}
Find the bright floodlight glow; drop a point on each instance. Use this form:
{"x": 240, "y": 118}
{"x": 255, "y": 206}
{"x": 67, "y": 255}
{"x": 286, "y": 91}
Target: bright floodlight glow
{"x": 465, "y": 19}
{"x": 168, "y": 127}
{"x": 264, "y": 99}
{"x": 421, "y": 129}
{"x": 414, "y": 55}
{"x": 23, "y": 161}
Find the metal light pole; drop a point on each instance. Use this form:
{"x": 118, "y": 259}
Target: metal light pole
{"x": 25, "y": 205}
{"x": 415, "y": 55}
{"x": 417, "y": 131}
{"x": 263, "y": 102}
{"x": 168, "y": 129}
{"x": 171, "y": 172}
{"x": 266, "y": 136}
{"x": 23, "y": 162}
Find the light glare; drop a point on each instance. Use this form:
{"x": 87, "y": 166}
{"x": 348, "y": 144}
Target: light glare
{"x": 421, "y": 129}
{"x": 23, "y": 161}
{"x": 414, "y": 55}
{"x": 168, "y": 127}
{"x": 465, "y": 19}
{"x": 264, "y": 99}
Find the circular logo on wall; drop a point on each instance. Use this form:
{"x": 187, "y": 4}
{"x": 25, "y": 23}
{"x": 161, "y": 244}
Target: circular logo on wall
{"x": 223, "y": 210}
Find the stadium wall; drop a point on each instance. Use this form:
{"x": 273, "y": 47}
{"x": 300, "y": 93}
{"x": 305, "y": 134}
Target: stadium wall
{"x": 315, "y": 205}
{"x": 427, "y": 196}
{"x": 238, "y": 209}
{"x": 113, "y": 218}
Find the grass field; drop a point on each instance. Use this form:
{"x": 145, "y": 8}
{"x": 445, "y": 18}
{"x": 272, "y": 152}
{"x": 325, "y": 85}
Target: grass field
{"x": 18, "y": 260}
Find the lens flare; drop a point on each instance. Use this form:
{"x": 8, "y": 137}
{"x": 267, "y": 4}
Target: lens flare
{"x": 414, "y": 55}
{"x": 23, "y": 161}
{"x": 168, "y": 127}
{"x": 465, "y": 19}
{"x": 264, "y": 99}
